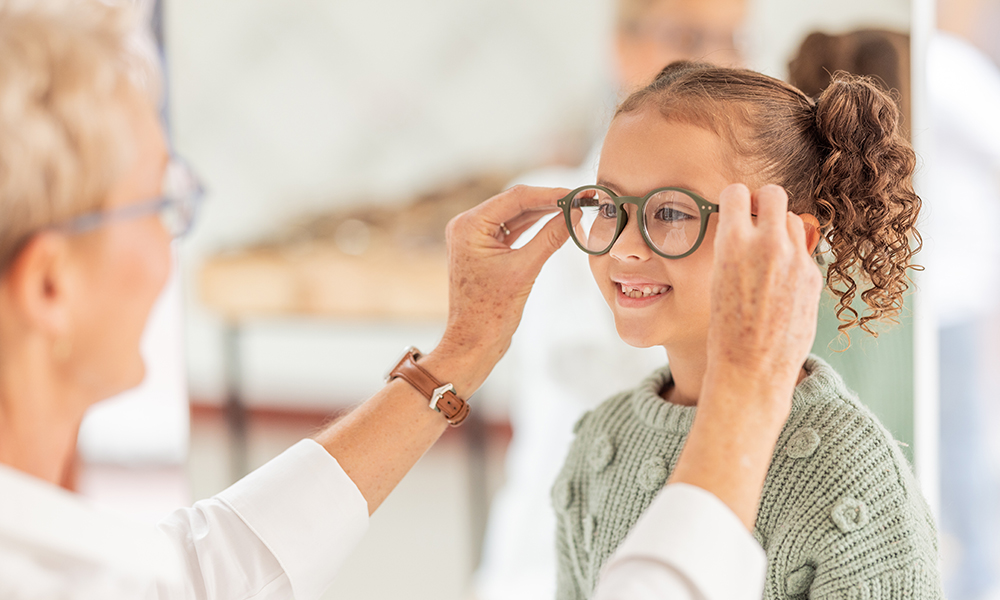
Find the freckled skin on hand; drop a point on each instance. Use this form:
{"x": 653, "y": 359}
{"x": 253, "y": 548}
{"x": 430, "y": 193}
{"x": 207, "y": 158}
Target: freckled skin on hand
{"x": 490, "y": 281}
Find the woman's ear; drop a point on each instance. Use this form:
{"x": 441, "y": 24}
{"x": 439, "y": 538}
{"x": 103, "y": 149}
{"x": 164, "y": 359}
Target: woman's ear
{"x": 812, "y": 231}
{"x": 37, "y": 282}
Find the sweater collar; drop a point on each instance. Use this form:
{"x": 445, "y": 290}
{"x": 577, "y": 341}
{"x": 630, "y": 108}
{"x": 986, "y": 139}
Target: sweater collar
{"x": 661, "y": 415}
{"x": 656, "y": 412}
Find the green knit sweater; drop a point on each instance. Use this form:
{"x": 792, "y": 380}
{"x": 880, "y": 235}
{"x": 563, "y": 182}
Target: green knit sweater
{"x": 841, "y": 515}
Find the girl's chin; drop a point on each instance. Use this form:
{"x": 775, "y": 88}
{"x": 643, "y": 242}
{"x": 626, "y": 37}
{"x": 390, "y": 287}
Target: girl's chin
{"x": 637, "y": 336}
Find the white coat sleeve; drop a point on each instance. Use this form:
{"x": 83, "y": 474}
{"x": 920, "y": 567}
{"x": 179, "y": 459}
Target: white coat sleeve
{"x": 280, "y": 532}
{"x": 688, "y": 545}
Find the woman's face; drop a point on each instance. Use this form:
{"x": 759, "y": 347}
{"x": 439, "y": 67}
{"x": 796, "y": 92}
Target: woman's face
{"x": 670, "y": 30}
{"x": 119, "y": 270}
{"x": 642, "y": 152}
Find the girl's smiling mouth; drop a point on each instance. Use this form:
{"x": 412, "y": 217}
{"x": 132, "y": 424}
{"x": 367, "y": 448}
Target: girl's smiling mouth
{"x": 644, "y": 291}
{"x": 639, "y": 293}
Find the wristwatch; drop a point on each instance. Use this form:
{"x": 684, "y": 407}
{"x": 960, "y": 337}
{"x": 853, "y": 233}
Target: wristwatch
{"x": 442, "y": 396}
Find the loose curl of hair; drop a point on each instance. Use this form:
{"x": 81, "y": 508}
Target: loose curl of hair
{"x": 842, "y": 158}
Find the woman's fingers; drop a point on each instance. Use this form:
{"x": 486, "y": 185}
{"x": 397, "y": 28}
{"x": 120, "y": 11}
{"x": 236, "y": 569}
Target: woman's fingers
{"x": 518, "y": 225}
{"x": 517, "y": 202}
{"x": 550, "y": 238}
{"x": 771, "y": 203}
{"x": 734, "y": 209}
{"x": 796, "y": 230}
{"x": 737, "y": 206}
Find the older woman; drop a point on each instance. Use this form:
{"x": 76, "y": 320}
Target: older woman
{"x": 90, "y": 199}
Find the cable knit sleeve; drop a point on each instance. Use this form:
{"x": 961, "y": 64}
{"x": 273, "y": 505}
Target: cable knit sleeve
{"x": 845, "y": 517}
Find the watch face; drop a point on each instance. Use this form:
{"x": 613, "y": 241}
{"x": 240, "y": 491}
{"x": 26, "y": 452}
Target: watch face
{"x": 410, "y": 350}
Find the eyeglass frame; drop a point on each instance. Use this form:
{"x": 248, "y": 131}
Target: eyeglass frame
{"x": 705, "y": 208}
{"x": 155, "y": 206}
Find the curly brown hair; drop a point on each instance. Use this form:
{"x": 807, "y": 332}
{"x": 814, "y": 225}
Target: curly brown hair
{"x": 842, "y": 158}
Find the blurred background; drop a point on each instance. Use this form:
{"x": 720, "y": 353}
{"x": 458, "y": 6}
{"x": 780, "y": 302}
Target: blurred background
{"x": 336, "y": 139}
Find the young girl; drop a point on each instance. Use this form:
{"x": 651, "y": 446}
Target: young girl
{"x": 841, "y": 515}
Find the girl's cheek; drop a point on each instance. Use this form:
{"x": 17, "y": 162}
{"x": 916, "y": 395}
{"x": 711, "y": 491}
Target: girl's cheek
{"x": 599, "y": 266}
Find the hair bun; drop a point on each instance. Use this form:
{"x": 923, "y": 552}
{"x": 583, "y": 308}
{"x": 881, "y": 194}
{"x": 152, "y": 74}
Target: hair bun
{"x": 865, "y": 186}
{"x": 854, "y": 114}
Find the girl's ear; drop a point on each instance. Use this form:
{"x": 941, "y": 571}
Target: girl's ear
{"x": 812, "y": 231}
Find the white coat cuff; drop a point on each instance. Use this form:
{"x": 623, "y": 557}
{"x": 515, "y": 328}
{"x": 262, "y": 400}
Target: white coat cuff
{"x": 695, "y": 534}
{"x": 306, "y": 510}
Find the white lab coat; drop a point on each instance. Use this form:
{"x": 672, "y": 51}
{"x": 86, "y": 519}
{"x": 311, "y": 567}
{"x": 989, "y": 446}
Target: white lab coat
{"x": 281, "y": 532}
{"x": 284, "y": 530}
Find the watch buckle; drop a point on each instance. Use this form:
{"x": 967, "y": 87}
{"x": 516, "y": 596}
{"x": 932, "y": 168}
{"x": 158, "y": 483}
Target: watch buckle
{"x": 439, "y": 393}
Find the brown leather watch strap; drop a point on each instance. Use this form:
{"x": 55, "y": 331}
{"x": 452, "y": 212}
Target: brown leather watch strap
{"x": 442, "y": 396}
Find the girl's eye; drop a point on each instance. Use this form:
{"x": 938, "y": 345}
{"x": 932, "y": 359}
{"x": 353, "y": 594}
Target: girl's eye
{"x": 672, "y": 214}
{"x": 608, "y": 210}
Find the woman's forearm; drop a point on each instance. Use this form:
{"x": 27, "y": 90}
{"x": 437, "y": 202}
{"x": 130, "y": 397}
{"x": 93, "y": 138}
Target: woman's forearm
{"x": 380, "y": 441}
{"x": 732, "y": 439}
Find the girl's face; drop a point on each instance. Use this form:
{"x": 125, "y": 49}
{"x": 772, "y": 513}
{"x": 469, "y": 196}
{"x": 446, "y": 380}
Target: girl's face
{"x": 644, "y": 151}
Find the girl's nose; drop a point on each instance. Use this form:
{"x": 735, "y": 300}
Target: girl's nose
{"x": 630, "y": 245}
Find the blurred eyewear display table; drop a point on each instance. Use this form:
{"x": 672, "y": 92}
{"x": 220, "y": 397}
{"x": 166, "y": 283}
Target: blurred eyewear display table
{"x": 318, "y": 281}
{"x": 374, "y": 263}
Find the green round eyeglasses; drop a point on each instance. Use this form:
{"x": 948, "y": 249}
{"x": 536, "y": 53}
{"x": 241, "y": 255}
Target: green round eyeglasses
{"x": 672, "y": 220}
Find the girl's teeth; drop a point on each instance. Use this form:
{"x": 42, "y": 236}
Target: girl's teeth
{"x": 643, "y": 292}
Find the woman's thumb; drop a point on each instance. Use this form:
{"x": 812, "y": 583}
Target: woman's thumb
{"x": 549, "y": 238}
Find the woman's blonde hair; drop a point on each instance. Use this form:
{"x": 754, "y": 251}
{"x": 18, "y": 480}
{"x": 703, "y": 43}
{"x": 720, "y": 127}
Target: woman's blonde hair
{"x": 64, "y": 137}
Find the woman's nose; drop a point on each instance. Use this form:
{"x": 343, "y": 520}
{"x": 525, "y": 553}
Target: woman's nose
{"x": 630, "y": 245}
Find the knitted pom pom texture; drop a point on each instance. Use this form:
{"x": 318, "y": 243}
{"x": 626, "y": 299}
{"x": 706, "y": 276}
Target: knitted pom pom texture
{"x": 841, "y": 516}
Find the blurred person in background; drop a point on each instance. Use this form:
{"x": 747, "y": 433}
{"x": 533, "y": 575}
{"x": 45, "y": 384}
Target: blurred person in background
{"x": 567, "y": 355}
{"x": 653, "y": 33}
{"x": 879, "y": 53}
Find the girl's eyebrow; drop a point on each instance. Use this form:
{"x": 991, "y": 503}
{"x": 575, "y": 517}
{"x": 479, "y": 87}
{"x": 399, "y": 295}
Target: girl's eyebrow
{"x": 611, "y": 186}
{"x": 615, "y": 188}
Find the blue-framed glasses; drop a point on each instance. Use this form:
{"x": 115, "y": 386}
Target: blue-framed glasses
{"x": 177, "y": 207}
{"x": 672, "y": 220}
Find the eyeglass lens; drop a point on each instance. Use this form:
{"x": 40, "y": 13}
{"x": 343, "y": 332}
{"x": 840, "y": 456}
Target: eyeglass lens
{"x": 181, "y": 192}
{"x": 672, "y": 221}
{"x": 595, "y": 219}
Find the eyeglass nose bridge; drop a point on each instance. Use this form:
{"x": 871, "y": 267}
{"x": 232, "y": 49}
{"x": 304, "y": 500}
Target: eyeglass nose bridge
{"x": 620, "y": 202}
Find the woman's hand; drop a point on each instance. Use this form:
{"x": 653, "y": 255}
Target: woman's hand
{"x": 380, "y": 441}
{"x": 489, "y": 281}
{"x": 765, "y": 297}
{"x": 765, "y": 291}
